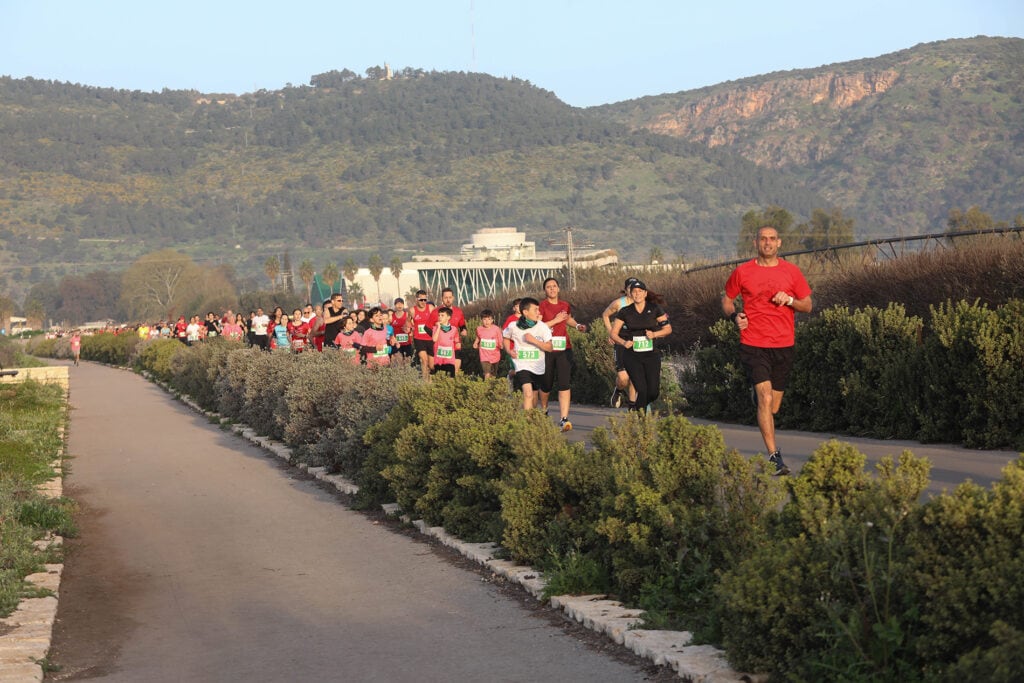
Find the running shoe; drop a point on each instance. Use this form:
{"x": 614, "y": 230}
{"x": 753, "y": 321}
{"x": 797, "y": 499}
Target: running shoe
{"x": 616, "y": 401}
{"x": 565, "y": 425}
{"x": 780, "y": 467}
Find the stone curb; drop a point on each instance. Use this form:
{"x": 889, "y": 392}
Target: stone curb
{"x": 696, "y": 663}
{"x": 28, "y": 631}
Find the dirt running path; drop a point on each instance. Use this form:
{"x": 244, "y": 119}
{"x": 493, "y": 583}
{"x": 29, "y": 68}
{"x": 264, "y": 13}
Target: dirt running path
{"x": 200, "y": 558}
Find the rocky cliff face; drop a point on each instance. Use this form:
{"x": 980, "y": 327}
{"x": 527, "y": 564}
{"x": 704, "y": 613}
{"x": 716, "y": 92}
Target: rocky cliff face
{"x": 775, "y": 114}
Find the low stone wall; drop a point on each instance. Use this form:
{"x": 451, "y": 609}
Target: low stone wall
{"x": 51, "y": 374}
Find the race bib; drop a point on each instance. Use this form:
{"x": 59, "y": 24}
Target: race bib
{"x": 558, "y": 343}
{"x": 298, "y": 344}
{"x": 445, "y": 351}
{"x": 421, "y": 329}
{"x": 402, "y": 338}
{"x": 211, "y": 333}
{"x": 528, "y": 354}
{"x": 488, "y": 344}
{"x": 644, "y": 343}
{"x": 382, "y": 354}
{"x": 350, "y": 352}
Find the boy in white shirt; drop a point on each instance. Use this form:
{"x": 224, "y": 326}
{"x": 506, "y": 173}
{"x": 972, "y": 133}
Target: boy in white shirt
{"x": 531, "y": 338}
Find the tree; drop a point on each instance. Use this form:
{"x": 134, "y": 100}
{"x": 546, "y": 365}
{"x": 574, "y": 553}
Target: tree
{"x": 355, "y": 294}
{"x": 396, "y": 271}
{"x": 772, "y": 215}
{"x": 307, "y": 273}
{"x": 972, "y": 219}
{"x": 159, "y": 284}
{"x": 350, "y": 269}
{"x": 330, "y": 275}
{"x": 656, "y": 256}
{"x": 376, "y": 268}
{"x": 272, "y": 268}
{"x": 825, "y": 229}
{"x": 287, "y": 276}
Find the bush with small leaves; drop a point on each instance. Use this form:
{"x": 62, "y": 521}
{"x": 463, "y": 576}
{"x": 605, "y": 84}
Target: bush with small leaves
{"x": 684, "y": 507}
{"x": 449, "y": 460}
{"x": 195, "y": 371}
{"x": 154, "y": 356}
{"x": 833, "y": 596}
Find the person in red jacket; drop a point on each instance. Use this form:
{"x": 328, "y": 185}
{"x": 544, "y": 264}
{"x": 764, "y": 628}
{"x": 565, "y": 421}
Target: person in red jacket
{"x": 773, "y": 291}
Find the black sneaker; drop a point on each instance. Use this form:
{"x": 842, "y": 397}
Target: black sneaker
{"x": 565, "y": 425}
{"x": 780, "y": 467}
{"x": 616, "y": 401}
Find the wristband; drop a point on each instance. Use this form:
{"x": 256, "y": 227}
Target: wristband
{"x": 732, "y": 316}
{"x": 790, "y": 302}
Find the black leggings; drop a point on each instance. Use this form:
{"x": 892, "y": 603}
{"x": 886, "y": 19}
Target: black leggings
{"x": 644, "y": 370}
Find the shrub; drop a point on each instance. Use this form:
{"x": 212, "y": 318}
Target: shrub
{"x": 231, "y": 384}
{"x": 972, "y": 371}
{"x": 683, "y": 507}
{"x": 551, "y": 500}
{"x": 195, "y": 370}
{"x": 448, "y": 462}
{"x": 832, "y": 597}
{"x": 716, "y": 384}
{"x": 968, "y": 564}
{"x": 266, "y": 379}
{"x": 154, "y": 356}
{"x": 110, "y": 348}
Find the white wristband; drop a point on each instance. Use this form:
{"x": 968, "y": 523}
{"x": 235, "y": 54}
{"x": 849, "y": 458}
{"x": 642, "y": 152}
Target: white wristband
{"x": 790, "y": 302}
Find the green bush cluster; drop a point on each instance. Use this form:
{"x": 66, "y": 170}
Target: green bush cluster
{"x": 110, "y": 348}
{"x": 860, "y": 581}
{"x": 957, "y": 378}
{"x": 154, "y": 355}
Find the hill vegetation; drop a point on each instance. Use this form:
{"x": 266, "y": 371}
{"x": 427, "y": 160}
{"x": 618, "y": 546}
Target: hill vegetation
{"x": 351, "y": 165}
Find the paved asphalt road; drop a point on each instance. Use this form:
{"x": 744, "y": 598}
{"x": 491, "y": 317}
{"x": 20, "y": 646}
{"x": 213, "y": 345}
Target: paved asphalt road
{"x": 951, "y": 465}
{"x": 200, "y": 558}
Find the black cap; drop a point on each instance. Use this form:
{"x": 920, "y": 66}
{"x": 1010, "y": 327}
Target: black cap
{"x": 629, "y": 283}
{"x": 637, "y": 284}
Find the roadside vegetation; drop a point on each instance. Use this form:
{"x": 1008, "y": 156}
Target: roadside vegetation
{"x": 30, "y": 416}
{"x": 836, "y": 573}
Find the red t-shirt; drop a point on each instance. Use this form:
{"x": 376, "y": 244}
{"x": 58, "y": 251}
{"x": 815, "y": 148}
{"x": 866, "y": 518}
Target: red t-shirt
{"x": 420, "y": 323}
{"x": 511, "y": 320}
{"x": 398, "y": 323}
{"x": 548, "y": 311}
{"x": 493, "y": 334}
{"x": 458, "y": 319}
{"x": 771, "y": 326}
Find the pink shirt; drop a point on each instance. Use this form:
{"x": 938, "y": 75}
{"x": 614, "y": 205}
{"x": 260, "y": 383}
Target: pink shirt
{"x": 445, "y": 346}
{"x": 488, "y": 353}
{"x": 377, "y": 338}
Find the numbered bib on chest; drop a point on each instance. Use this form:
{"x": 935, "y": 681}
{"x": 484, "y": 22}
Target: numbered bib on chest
{"x": 488, "y": 344}
{"x": 421, "y": 329}
{"x": 445, "y": 351}
{"x": 298, "y": 344}
{"x": 402, "y": 338}
{"x": 382, "y": 354}
{"x": 528, "y": 354}
{"x": 643, "y": 344}
{"x": 558, "y": 343}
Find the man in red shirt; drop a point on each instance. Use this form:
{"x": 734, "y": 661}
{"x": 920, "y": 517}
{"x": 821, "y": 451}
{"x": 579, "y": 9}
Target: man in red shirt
{"x": 418, "y": 325}
{"x": 773, "y": 290}
{"x": 458, "y": 320}
{"x": 557, "y": 315}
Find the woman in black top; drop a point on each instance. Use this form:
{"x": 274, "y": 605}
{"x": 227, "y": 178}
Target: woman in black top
{"x": 635, "y": 327}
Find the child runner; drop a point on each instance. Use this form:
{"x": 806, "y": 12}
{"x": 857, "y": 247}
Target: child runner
{"x": 488, "y": 341}
{"x": 532, "y": 340}
{"x": 446, "y": 343}
{"x": 348, "y": 340}
{"x": 458, "y": 319}
{"x": 375, "y": 349}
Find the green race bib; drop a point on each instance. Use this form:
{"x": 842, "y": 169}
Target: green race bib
{"x": 643, "y": 344}
{"x": 528, "y": 354}
{"x": 445, "y": 351}
{"x": 558, "y": 343}
{"x": 402, "y": 338}
{"x": 421, "y": 329}
{"x": 488, "y": 344}
{"x": 382, "y": 354}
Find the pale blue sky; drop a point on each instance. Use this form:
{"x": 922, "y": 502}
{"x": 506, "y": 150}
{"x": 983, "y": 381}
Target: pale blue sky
{"x": 586, "y": 52}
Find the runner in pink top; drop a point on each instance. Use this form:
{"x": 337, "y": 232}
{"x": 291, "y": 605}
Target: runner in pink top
{"x": 488, "y": 341}
{"x": 375, "y": 348}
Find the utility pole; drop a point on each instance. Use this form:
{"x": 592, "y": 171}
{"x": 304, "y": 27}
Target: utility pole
{"x": 570, "y": 256}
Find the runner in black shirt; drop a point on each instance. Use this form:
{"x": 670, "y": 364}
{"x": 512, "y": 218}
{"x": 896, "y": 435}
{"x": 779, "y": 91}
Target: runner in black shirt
{"x": 636, "y": 327}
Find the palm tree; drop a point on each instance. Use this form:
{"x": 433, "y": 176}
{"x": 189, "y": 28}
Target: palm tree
{"x": 307, "y": 273}
{"x": 350, "y": 269}
{"x": 396, "y": 270}
{"x": 355, "y": 294}
{"x": 376, "y": 268}
{"x": 330, "y": 275}
{"x": 272, "y": 268}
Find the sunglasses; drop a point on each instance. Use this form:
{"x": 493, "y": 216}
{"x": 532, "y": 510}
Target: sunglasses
{"x": 421, "y": 300}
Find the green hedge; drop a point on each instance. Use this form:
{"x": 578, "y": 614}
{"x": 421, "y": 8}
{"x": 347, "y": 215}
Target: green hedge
{"x": 957, "y": 378}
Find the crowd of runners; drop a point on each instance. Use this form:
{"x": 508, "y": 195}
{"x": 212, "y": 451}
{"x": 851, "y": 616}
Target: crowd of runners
{"x": 534, "y": 336}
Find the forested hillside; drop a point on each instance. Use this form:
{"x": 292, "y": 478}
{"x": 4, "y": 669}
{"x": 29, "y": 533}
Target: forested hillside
{"x": 896, "y": 141}
{"x": 351, "y": 165}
